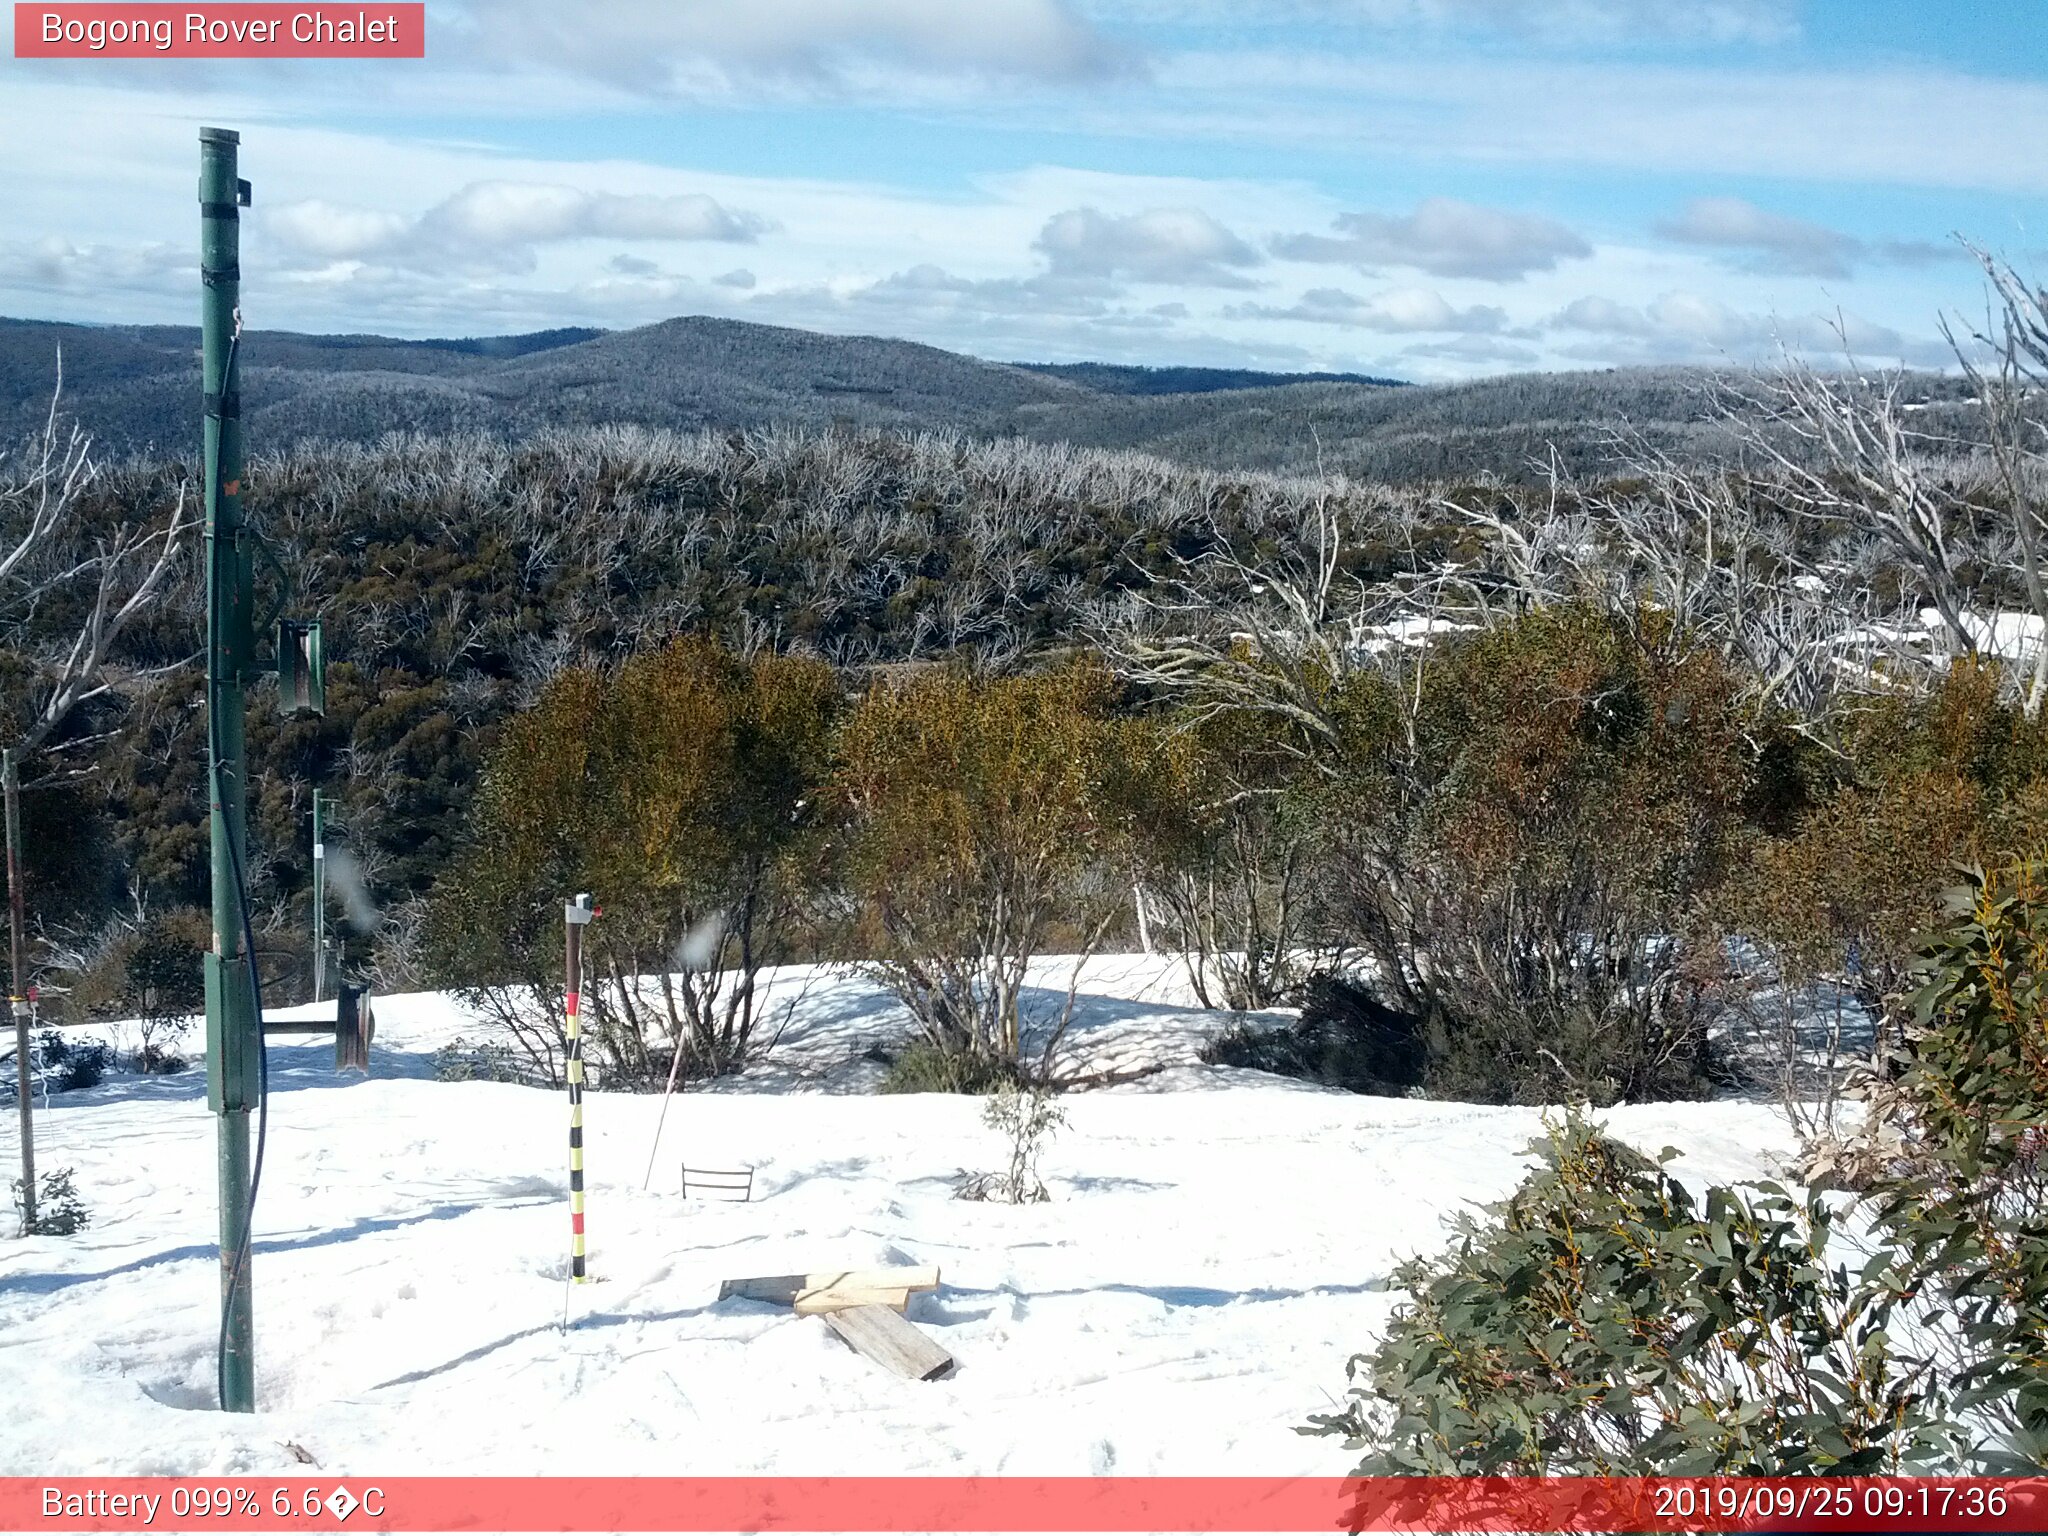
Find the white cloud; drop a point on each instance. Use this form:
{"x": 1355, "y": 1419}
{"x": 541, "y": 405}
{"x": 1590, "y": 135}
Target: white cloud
{"x": 1159, "y": 245}
{"x": 319, "y": 228}
{"x": 500, "y": 212}
{"x": 931, "y": 289}
{"x": 496, "y": 224}
{"x": 715, "y": 47}
{"x": 1395, "y": 310}
{"x": 1444, "y": 237}
{"x": 1775, "y": 242}
{"x": 1683, "y": 326}
{"x": 53, "y": 263}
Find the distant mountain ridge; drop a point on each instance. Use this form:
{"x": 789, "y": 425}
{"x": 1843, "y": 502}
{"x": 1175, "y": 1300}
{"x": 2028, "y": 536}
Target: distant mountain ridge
{"x": 135, "y": 388}
{"x": 1142, "y": 379}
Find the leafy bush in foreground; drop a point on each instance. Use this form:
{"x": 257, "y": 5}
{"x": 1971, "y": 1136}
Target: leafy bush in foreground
{"x": 1602, "y": 1322}
{"x": 1968, "y": 1199}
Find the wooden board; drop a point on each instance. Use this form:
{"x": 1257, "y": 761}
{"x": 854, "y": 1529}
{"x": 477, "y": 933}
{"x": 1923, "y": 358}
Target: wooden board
{"x": 890, "y": 1341}
{"x": 839, "y": 1297}
{"x": 785, "y": 1289}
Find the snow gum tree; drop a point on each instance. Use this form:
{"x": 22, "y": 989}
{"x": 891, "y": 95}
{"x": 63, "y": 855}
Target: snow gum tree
{"x": 679, "y": 790}
{"x": 983, "y": 819}
{"x": 1225, "y": 855}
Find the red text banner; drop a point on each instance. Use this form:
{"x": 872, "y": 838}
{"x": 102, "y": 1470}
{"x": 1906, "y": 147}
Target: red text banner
{"x": 1010, "y": 1504}
{"x": 220, "y": 31}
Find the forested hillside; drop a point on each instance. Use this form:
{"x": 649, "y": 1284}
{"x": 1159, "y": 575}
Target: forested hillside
{"x": 133, "y": 388}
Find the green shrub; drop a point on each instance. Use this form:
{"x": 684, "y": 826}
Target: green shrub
{"x": 1523, "y": 840}
{"x": 1923, "y": 781}
{"x": 980, "y": 817}
{"x": 1024, "y": 1116}
{"x": 1224, "y": 843}
{"x": 1601, "y": 1323}
{"x": 679, "y": 789}
{"x": 463, "y": 1060}
{"x": 925, "y": 1067}
{"x": 1345, "y": 1038}
{"x": 60, "y": 1211}
{"x": 1967, "y": 1113}
{"x": 73, "y": 1064}
{"x": 166, "y": 984}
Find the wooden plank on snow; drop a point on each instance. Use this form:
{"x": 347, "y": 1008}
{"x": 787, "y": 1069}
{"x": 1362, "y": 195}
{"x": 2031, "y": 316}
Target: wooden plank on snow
{"x": 785, "y": 1289}
{"x": 838, "y": 1298}
{"x": 893, "y": 1342}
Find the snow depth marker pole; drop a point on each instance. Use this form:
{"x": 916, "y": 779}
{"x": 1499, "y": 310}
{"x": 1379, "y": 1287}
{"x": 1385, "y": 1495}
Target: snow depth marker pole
{"x": 576, "y": 916}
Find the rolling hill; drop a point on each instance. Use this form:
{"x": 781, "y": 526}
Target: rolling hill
{"x": 134, "y": 388}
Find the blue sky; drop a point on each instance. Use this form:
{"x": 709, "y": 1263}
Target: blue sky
{"x": 1423, "y": 188}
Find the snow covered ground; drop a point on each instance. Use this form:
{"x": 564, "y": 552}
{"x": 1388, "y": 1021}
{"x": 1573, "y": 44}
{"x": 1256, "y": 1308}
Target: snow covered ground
{"x": 1207, "y": 1263}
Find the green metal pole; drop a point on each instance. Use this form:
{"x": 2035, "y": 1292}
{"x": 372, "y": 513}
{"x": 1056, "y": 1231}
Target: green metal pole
{"x": 10, "y": 786}
{"x": 233, "y": 1044}
{"x": 319, "y": 900}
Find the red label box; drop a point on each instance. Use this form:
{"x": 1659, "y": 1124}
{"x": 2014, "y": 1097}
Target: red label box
{"x": 254, "y": 31}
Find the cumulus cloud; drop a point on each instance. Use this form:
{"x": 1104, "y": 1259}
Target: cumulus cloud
{"x": 1443, "y": 237}
{"x": 1396, "y": 310}
{"x": 1776, "y": 242}
{"x": 318, "y": 228}
{"x": 495, "y": 225}
{"x": 57, "y": 264}
{"x": 698, "y": 47}
{"x": 1160, "y": 245}
{"x": 1685, "y": 326}
{"x": 932, "y": 289}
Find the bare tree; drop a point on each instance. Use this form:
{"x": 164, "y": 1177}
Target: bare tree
{"x": 1840, "y": 450}
{"x": 47, "y": 556}
{"x": 48, "y": 552}
{"x": 2009, "y": 390}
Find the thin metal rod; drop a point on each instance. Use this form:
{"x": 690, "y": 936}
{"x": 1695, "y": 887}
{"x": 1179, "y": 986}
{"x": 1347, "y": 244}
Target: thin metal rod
{"x": 10, "y": 774}
{"x": 319, "y": 900}
{"x": 674, "y": 1062}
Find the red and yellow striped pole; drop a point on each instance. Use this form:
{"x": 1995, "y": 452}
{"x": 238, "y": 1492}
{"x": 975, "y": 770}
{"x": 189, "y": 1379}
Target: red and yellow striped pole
{"x": 576, "y": 916}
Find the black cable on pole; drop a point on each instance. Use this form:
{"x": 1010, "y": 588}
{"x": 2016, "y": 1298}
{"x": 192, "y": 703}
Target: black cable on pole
{"x": 243, "y": 1248}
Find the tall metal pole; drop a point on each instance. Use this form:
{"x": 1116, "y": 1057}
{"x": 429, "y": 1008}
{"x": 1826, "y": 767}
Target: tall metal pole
{"x": 233, "y": 1043}
{"x": 319, "y": 900}
{"x": 10, "y": 776}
